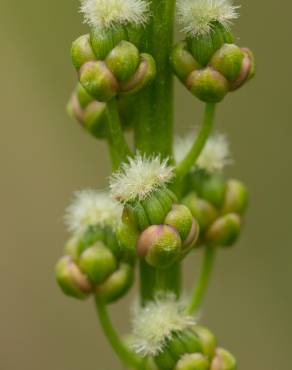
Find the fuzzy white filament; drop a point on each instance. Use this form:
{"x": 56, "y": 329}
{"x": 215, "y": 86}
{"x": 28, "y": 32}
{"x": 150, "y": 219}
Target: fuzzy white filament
{"x": 90, "y": 208}
{"x": 108, "y": 13}
{"x": 198, "y": 16}
{"x": 140, "y": 177}
{"x": 156, "y": 322}
{"x": 214, "y": 157}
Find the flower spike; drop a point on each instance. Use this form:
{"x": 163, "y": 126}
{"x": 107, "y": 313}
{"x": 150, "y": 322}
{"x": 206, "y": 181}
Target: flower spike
{"x": 199, "y": 16}
{"x": 106, "y": 14}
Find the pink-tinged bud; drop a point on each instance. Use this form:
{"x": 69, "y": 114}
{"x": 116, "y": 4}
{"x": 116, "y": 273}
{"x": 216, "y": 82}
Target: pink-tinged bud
{"x": 193, "y": 236}
{"x": 236, "y": 198}
{"x": 98, "y": 81}
{"x": 71, "y": 280}
{"x": 181, "y": 219}
{"x": 193, "y": 361}
{"x": 81, "y": 51}
{"x": 208, "y": 85}
{"x": 160, "y": 245}
{"x": 223, "y": 360}
{"x": 225, "y": 231}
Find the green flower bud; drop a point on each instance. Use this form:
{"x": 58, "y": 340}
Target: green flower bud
{"x": 160, "y": 245}
{"x": 71, "y": 280}
{"x": 71, "y": 248}
{"x": 97, "y": 263}
{"x": 143, "y": 76}
{"x": 211, "y": 187}
{"x": 202, "y": 47}
{"x": 208, "y": 85}
{"x": 194, "y": 361}
{"x": 228, "y": 61}
{"x": 207, "y": 339}
{"x": 98, "y": 81}
{"x": 123, "y": 60}
{"x": 104, "y": 40}
{"x": 164, "y": 360}
{"x": 81, "y": 51}
{"x": 193, "y": 236}
{"x": 236, "y": 198}
{"x": 84, "y": 99}
{"x": 247, "y": 70}
{"x": 181, "y": 219}
{"x": 191, "y": 341}
{"x": 116, "y": 285}
{"x": 95, "y": 119}
{"x": 127, "y": 236}
{"x": 182, "y": 61}
{"x": 92, "y": 235}
{"x": 223, "y": 360}
{"x": 224, "y": 231}
{"x": 202, "y": 210}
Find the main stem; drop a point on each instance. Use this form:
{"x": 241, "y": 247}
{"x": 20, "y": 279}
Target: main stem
{"x": 200, "y": 288}
{"x": 154, "y": 118}
{"x": 125, "y": 355}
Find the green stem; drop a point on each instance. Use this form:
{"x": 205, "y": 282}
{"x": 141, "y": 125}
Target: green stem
{"x": 154, "y": 121}
{"x": 154, "y": 113}
{"x": 201, "y": 286}
{"x": 186, "y": 164}
{"x": 119, "y": 150}
{"x": 124, "y": 354}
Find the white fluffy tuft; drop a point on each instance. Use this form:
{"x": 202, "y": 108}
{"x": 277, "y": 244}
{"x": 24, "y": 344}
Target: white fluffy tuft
{"x": 108, "y": 13}
{"x": 214, "y": 157}
{"x": 155, "y": 323}
{"x": 198, "y": 16}
{"x": 90, "y": 208}
{"x": 140, "y": 177}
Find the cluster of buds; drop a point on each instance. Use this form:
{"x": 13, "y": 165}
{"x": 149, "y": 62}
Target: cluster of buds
{"x": 218, "y": 205}
{"x": 211, "y": 65}
{"x": 154, "y": 224}
{"x": 163, "y": 331}
{"x": 93, "y": 262}
{"x": 194, "y": 349}
{"x": 109, "y": 65}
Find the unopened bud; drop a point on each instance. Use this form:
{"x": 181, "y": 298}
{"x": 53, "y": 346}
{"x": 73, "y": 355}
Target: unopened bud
{"x": 160, "y": 245}
{"x": 247, "y": 70}
{"x": 204, "y": 46}
{"x": 143, "y": 76}
{"x": 81, "y": 51}
{"x": 127, "y": 236}
{"x": 224, "y": 231}
{"x": 116, "y": 285}
{"x": 71, "y": 280}
{"x": 182, "y": 61}
{"x": 194, "y": 361}
{"x": 211, "y": 187}
{"x": 207, "y": 339}
{"x": 97, "y": 263}
{"x": 98, "y": 81}
{"x": 228, "y": 61}
{"x": 202, "y": 210}
{"x": 208, "y": 85}
{"x": 223, "y": 360}
{"x": 123, "y": 60}
{"x": 193, "y": 236}
{"x": 95, "y": 119}
{"x": 181, "y": 219}
{"x": 71, "y": 248}
{"x": 236, "y": 198}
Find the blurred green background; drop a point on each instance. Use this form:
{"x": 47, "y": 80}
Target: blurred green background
{"x": 45, "y": 157}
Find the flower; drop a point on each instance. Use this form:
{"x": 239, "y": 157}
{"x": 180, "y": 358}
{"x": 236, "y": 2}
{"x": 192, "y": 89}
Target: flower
{"x": 157, "y": 322}
{"x": 108, "y": 13}
{"x": 199, "y": 16}
{"x": 140, "y": 177}
{"x": 90, "y": 208}
{"x": 214, "y": 157}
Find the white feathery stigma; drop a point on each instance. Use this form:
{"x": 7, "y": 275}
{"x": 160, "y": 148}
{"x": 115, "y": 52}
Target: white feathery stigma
{"x": 156, "y": 322}
{"x": 139, "y": 177}
{"x": 199, "y": 16}
{"x": 214, "y": 157}
{"x": 91, "y": 208}
{"x": 106, "y": 14}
